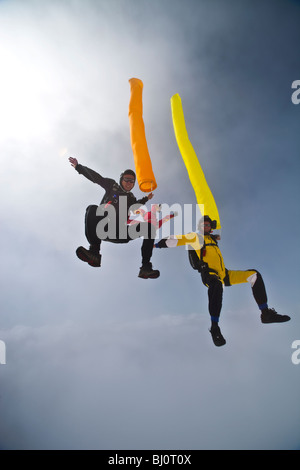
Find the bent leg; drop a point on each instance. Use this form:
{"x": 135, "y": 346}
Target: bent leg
{"x": 255, "y": 280}
{"x": 148, "y": 242}
{"x": 91, "y": 221}
{"x": 215, "y": 297}
{"x": 259, "y": 293}
{"x": 92, "y": 255}
{"x": 148, "y": 231}
{"x": 215, "y": 294}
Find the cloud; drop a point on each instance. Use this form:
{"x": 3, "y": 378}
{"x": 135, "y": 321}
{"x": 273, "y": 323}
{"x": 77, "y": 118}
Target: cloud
{"x": 134, "y": 382}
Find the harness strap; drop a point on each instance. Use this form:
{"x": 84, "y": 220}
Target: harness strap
{"x": 203, "y": 250}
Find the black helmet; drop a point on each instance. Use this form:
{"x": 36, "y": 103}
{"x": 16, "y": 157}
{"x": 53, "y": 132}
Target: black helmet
{"x": 206, "y": 218}
{"x": 127, "y": 172}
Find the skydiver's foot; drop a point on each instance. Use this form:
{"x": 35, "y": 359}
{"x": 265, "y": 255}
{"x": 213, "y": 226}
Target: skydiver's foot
{"x": 217, "y": 336}
{"x": 90, "y": 257}
{"x": 269, "y": 315}
{"x": 146, "y": 272}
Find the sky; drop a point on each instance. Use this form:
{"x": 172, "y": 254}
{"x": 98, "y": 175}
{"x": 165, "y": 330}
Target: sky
{"x": 98, "y": 358}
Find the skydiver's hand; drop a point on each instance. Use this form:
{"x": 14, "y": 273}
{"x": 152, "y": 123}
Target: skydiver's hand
{"x": 161, "y": 243}
{"x": 73, "y": 161}
{"x": 150, "y": 196}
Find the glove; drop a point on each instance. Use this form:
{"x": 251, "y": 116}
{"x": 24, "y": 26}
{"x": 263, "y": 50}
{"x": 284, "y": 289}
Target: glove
{"x": 161, "y": 243}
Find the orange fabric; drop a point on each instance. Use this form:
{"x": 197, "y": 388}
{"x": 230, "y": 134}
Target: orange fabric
{"x": 143, "y": 166}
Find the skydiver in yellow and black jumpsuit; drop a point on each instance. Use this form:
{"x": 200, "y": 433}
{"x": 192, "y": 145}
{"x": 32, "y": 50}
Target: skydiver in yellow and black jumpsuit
{"x": 205, "y": 256}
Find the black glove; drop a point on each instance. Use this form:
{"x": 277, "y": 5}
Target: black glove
{"x": 161, "y": 243}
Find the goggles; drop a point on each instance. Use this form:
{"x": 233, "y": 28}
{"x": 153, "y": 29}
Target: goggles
{"x": 128, "y": 180}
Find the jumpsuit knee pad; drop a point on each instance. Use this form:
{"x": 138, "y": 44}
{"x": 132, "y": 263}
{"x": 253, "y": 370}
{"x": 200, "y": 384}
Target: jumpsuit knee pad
{"x": 254, "y": 278}
{"x": 259, "y": 276}
{"x": 91, "y": 211}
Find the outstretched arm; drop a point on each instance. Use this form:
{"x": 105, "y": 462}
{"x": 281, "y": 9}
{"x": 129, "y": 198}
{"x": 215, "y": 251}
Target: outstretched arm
{"x": 191, "y": 239}
{"x": 90, "y": 174}
{"x": 168, "y": 242}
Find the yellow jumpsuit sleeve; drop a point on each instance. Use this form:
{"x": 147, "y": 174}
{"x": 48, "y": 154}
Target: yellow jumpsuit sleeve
{"x": 190, "y": 239}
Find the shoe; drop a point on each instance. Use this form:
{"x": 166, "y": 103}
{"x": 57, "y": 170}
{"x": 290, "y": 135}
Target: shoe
{"x": 217, "y": 336}
{"x": 146, "y": 272}
{"x": 93, "y": 259}
{"x": 269, "y": 315}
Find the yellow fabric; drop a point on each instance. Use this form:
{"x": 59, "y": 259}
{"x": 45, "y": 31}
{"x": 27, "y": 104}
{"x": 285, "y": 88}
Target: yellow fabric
{"x": 195, "y": 172}
{"x": 239, "y": 277}
{"x": 142, "y": 161}
{"x": 191, "y": 239}
{"x": 213, "y": 257}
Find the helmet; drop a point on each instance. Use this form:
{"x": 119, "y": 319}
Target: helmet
{"x": 206, "y": 218}
{"x": 127, "y": 172}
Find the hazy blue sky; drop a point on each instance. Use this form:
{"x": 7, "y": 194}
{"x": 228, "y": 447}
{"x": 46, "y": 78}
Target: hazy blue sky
{"x": 98, "y": 358}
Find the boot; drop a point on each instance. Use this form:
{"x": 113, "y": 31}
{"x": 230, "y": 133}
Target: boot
{"x": 217, "y": 336}
{"x": 269, "y": 315}
{"x": 89, "y": 256}
{"x": 146, "y": 272}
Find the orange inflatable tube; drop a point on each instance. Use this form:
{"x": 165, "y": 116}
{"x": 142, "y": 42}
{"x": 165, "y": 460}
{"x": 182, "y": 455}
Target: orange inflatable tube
{"x": 143, "y": 166}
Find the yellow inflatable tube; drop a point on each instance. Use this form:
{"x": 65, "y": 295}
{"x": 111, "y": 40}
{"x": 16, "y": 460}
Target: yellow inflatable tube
{"x": 195, "y": 172}
{"x": 142, "y": 161}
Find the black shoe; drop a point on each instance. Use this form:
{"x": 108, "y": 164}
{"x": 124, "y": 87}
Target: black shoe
{"x": 269, "y": 315}
{"x": 93, "y": 259}
{"x": 217, "y": 336}
{"x": 146, "y": 272}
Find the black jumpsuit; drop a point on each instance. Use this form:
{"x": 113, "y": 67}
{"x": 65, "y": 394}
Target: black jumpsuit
{"x": 113, "y": 194}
